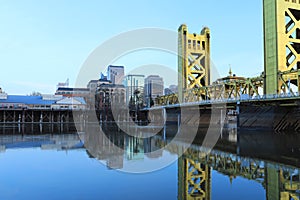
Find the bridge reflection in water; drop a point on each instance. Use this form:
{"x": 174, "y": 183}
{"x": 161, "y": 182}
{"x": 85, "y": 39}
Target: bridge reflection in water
{"x": 266, "y": 160}
{"x": 270, "y": 160}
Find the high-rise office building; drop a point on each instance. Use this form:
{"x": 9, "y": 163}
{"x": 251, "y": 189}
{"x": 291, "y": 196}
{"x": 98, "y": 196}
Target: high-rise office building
{"x": 115, "y": 74}
{"x": 154, "y": 87}
{"x": 134, "y": 84}
{"x": 172, "y": 89}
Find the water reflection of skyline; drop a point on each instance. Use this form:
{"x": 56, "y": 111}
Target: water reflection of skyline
{"x": 118, "y": 147}
{"x": 276, "y": 167}
{"x": 265, "y": 159}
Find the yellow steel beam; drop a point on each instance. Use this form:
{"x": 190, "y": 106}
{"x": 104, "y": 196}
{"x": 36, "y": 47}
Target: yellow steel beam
{"x": 281, "y": 44}
{"x": 220, "y": 91}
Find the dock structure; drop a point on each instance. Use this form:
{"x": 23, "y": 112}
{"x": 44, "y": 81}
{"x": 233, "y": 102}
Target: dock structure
{"x": 36, "y": 116}
{"x": 40, "y": 109}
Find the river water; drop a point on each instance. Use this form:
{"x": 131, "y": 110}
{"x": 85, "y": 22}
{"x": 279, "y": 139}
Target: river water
{"x": 57, "y": 162}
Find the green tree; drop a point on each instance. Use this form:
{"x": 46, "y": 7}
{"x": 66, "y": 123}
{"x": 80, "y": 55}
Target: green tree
{"x": 34, "y": 93}
{"x": 151, "y": 102}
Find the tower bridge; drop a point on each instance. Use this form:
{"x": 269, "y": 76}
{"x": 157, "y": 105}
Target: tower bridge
{"x": 281, "y": 66}
{"x": 274, "y": 95}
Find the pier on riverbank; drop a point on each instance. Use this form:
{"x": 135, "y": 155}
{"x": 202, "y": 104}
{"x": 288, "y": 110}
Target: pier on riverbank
{"x": 24, "y": 116}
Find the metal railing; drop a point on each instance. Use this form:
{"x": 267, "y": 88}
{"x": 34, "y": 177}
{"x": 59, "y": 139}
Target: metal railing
{"x": 231, "y": 100}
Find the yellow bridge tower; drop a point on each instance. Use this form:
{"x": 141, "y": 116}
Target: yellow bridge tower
{"x": 193, "y": 60}
{"x": 282, "y": 46}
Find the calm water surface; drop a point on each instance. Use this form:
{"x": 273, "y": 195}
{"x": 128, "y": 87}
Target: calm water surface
{"x": 69, "y": 165}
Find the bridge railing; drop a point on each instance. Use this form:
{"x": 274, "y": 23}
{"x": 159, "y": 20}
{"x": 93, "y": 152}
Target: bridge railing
{"x": 241, "y": 98}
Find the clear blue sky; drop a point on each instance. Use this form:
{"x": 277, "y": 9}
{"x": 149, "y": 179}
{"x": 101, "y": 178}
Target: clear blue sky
{"x": 46, "y": 42}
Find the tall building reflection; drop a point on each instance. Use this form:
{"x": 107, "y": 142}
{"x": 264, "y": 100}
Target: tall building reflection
{"x": 230, "y": 158}
{"x": 115, "y": 147}
{"x": 263, "y": 159}
{"x": 280, "y": 178}
{"x": 134, "y": 148}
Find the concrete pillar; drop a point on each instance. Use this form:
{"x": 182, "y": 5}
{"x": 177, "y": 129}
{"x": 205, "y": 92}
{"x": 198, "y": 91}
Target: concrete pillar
{"x": 238, "y": 114}
{"x": 32, "y": 116}
{"x": 41, "y": 117}
{"x": 23, "y": 116}
{"x": 14, "y": 120}
{"x": 51, "y": 117}
{"x": 165, "y": 132}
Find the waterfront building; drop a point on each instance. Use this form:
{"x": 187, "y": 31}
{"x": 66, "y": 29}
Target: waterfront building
{"x": 70, "y": 103}
{"x": 134, "y": 85}
{"x": 115, "y": 74}
{"x": 154, "y": 87}
{"x": 105, "y": 95}
{"x": 44, "y": 102}
{"x": 27, "y": 102}
{"x": 63, "y": 84}
{"x": 73, "y": 92}
{"x": 93, "y": 84}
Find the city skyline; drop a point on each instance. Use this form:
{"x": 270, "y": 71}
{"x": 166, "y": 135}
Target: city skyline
{"x": 43, "y": 43}
{"x": 109, "y": 78}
